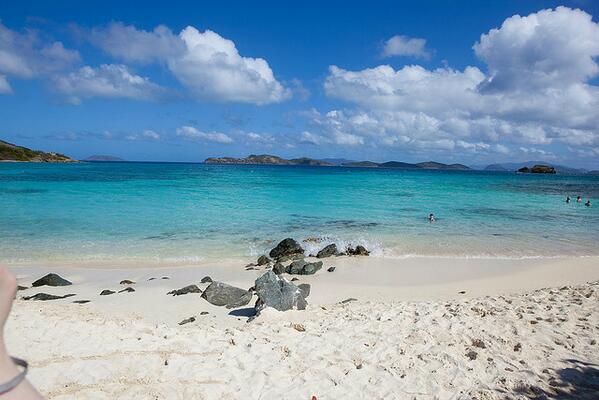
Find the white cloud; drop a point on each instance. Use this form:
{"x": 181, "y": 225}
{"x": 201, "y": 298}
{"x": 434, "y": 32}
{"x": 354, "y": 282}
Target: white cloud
{"x": 263, "y": 138}
{"x": 26, "y": 56}
{"x": 536, "y": 92}
{"x": 312, "y": 138}
{"x": 147, "y": 135}
{"x": 108, "y": 80}
{"x": 4, "y": 85}
{"x": 191, "y": 133}
{"x": 209, "y": 65}
{"x": 547, "y": 49}
{"x": 133, "y": 45}
{"x": 400, "y": 45}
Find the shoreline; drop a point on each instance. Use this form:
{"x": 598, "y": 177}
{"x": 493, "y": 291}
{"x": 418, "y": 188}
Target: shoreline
{"x": 521, "y": 328}
{"x": 365, "y": 278}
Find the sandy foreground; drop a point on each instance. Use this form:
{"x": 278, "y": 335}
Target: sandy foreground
{"x": 419, "y": 328}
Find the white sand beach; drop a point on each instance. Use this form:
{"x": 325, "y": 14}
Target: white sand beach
{"x": 423, "y": 328}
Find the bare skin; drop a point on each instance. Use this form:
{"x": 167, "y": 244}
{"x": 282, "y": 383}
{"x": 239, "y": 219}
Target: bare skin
{"x": 8, "y": 370}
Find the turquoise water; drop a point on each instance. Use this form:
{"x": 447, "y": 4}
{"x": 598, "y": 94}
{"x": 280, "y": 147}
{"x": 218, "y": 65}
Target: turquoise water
{"x": 182, "y": 213}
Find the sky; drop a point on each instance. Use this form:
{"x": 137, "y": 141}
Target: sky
{"x": 451, "y": 81}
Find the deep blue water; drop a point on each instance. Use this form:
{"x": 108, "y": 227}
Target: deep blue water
{"x": 172, "y": 213}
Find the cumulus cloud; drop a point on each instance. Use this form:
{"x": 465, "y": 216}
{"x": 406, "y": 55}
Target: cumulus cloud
{"x": 26, "y": 56}
{"x": 547, "y": 49}
{"x": 133, "y": 45}
{"x": 209, "y": 65}
{"x": 535, "y": 91}
{"x": 108, "y": 80}
{"x": 400, "y": 45}
{"x": 191, "y": 133}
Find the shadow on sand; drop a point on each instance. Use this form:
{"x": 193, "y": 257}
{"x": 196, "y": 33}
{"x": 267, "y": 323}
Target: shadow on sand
{"x": 580, "y": 380}
{"x": 244, "y": 312}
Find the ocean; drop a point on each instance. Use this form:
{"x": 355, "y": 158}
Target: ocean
{"x": 176, "y": 213}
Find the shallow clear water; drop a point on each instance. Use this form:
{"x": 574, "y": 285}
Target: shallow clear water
{"x": 171, "y": 213}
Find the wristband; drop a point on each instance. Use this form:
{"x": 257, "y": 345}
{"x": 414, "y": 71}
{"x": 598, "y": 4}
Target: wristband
{"x": 14, "y": 382}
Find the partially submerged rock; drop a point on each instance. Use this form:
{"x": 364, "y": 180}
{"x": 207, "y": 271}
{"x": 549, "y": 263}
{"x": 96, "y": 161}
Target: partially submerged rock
{"x": 206, "y": 279}
{"x": 127, "y": 289}
{"x": 302, "y": 267}
{"x": 327, "y": 251}
{"x": 263, "y": 260}
{"x": 51, "y": 280}
{"x": 46, "y": 296}
{"x": 358, "y": 251}
{"x": 287, "y": 247}
{"x": 185, "y": 290}
{"x": 276, "y": 292}
{"x": 107, "y": 292}
{"x": 126, "y": 282}
{"x": 330, "y": 269}
{"x": 19, "y": 288}
{"x": 81, "y": 301}
{"x": 221, "y": 294}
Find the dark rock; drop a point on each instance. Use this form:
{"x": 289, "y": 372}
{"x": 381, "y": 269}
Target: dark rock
{"x": 21, "y": 288}
{"x": 127, "y": 289}
{"x": 291, "y": 257}
{"x": 518, "y": 347}
{"x": 46, "y": 296}
{"x": 294, "y": 279}
{"x": 187, "y": 320}
{"x": 263, "y": 260}
{"x": 472, "y": 355}
{"x": 276, "y": 292}
{"x": 206, "y": 279}
{"x": 479, "y": 343}
{"x": 278, "y": 268}
{"x": 221, "y": 294}
{"x": 81, "y": 301}
{"x": 106, "y": 292}
{"x": 151, "y": 279}
{"x": 330, "y": 269}
{"x": 51, "y": 280}
{"x": 204, "y": 313}
{"x": 328, "y": 251}
{"x": 126, "y": 282}
{"x": 348, "y": 300}
{"x": 286, "y": 247}
{"x": 358, "y": 251}
{"x": 301, "y": 267}
{"x": 185, "y": 290}
{"x": 165, "y": 277}
{"x": 305, "y": 288}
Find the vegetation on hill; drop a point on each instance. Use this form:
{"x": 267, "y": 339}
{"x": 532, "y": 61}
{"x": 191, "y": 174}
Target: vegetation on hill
{"x": 11, "y": 152}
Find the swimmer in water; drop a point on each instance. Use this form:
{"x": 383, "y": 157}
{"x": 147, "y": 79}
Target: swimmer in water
{"x": 579, "y": 199}
{"x": 568, "y": 199}
{"x": 588, "y": 203}
{"x": 431, "y": 217}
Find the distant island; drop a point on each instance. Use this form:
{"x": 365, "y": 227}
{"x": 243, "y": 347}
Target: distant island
{"x": 266, "y": 159}
{"x": 12, "y": 152}
{"x": 537, "y": 169}
{"x": 103, "y": 158}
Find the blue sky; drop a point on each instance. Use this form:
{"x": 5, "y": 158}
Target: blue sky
{"x": 408, "y": 81}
